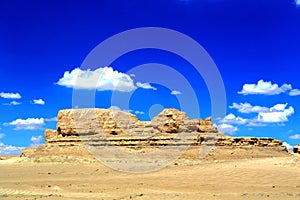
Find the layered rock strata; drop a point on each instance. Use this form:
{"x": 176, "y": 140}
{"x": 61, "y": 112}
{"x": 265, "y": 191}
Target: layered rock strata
{"x": 79, "y": 129}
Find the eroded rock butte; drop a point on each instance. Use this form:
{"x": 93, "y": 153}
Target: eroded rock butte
{"x": 79, "y": 129}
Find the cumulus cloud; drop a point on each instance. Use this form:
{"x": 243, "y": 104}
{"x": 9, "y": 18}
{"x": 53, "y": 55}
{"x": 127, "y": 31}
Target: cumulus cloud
{"x": 175, "y": 92}
{"x": 27, "y": 124}
{"x": 227, "y": 128}
{"x": 10, "y": 95}
{"x": 101, "y": 79}
{"x": 38, "y": 101}
{"x": 295, "y": 137}
{"x": 248, "y": 108}
{"x": 12, "y": 103}
{"x": 10, "y": 150}
{"x": 145, "y": 86}
{"x": 232, "y": 119}
{"x": 36, "y": 140}
{"x": 288, "y": 146}
{"x": 294, "y": 92}
{"x": 265, "y": 87}
{"x": 277, "y": 114}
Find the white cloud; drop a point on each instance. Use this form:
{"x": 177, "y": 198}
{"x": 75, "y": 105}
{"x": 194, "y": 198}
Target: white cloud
{"x": 294, "y": 92}
{"x": 277, "y": 114}
{"x": 36, "y": 140}
{"x": 145, "y": 86}
{"x": 139, "y": 112}
{"x": 248, "y": 108}
{"x": 27, "y": 124}
{"x": 297, "y": 2}
{"x": 295, "y": 137}
{"x": 10, "y": 95}
{"x": 227, "y": 128}
{"x": 175, "y": 92}
{"x": 288, "y": 146}
{"x": 2, "y": 135}
{"x": 265, "y": 87}
{"x": 101, "y": 79}
{"x": 52, "y": 119}
{"x": 12, "y": 103}
{"x": 38, "y": 101}
{"x": 232, "y": 119}
{"x": 10, "y": 150}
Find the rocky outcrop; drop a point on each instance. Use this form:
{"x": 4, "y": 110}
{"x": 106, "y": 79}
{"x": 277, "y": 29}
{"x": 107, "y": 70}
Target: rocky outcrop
{"x": 249, "y": 141}
{"x": 206, "y": 126}
{"x": 296, "y": 149}
{"x": 79, "y": 129}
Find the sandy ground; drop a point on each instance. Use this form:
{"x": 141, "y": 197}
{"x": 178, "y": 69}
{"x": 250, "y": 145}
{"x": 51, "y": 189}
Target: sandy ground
{"x": 263, "y": 178}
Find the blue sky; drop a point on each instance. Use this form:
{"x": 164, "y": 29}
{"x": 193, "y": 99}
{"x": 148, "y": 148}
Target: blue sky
{"x": 254, "y": 44}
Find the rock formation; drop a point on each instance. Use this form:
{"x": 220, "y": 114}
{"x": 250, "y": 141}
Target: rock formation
{"x": 296, "y": 149}
{"x": 79, "y": 129}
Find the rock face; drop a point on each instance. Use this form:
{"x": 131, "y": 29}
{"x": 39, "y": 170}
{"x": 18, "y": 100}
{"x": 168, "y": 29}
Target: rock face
{"x": 296, "y": 149}
{"x": 78, "y": 128}
{"x": 90, "y": 121}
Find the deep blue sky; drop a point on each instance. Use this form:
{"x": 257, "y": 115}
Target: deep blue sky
{"x": 248, "y": 41}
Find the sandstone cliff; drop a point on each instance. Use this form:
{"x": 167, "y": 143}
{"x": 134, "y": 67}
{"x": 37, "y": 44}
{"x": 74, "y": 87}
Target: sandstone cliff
{"x": 79, "y": 130}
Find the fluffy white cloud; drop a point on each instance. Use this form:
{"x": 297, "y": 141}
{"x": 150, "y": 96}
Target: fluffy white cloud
{"x": 265, "y": 87}
{"x": 38, "y": 101}
{"x": 277, "y": 114}
{"x": 10, "y": 95}
{"x": 175, "y": 92}
{"x": 36, "y": 140}
{"x": 27, "y": 124}
{"x": 297, "y": 2}
{"x": 232, "y": 119}
{"x": 227, "y": 128}
{"x": 12, "y": 103}
{"x": 295, "y": 137}
{"x": 101, "y": 79}
{"x": 145, "y": 86}
{"x": 288, "y": 146}
{"x": 248, "y": 108}
{"x": 294, "y": 92}
{"x": 10, "y": 150}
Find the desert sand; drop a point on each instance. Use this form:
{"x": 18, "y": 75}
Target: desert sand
{"x": 256, "y": 178}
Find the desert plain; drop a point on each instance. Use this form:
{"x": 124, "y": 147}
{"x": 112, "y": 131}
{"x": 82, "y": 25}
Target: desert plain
{"x": 256, "y": 178}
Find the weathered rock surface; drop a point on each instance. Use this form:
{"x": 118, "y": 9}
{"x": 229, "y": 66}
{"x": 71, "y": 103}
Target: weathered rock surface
{"x": 77, "y": 129}
{"x": 296, "y": 149}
